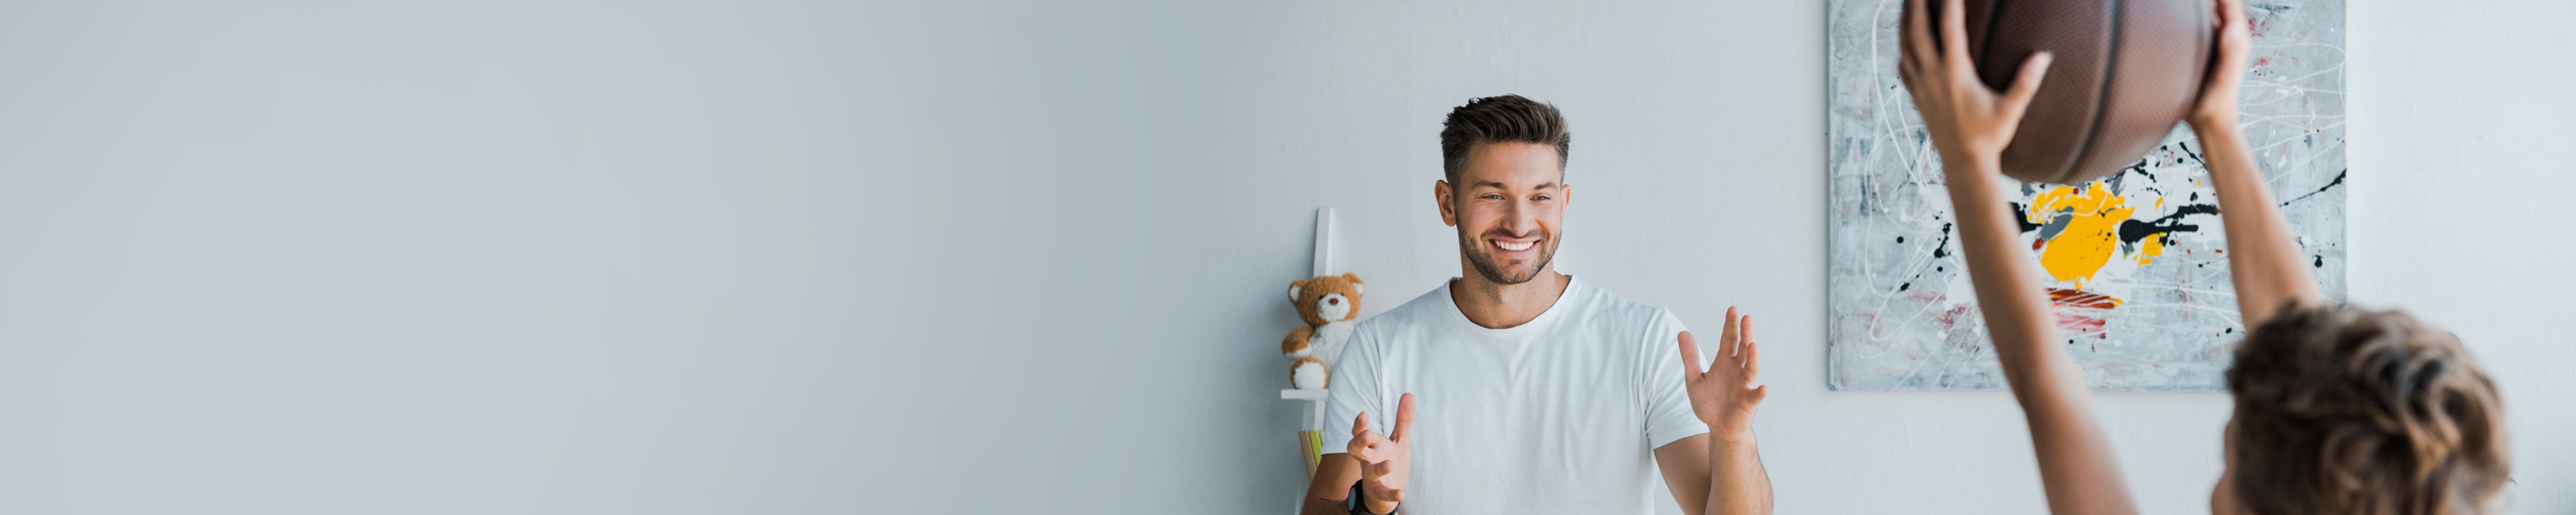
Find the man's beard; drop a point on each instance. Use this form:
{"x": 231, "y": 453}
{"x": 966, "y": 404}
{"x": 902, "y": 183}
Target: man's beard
{"x": 1484, "y": 261}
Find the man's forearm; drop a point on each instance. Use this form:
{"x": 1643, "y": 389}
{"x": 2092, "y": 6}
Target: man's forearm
{"x": 1737, "y": 485}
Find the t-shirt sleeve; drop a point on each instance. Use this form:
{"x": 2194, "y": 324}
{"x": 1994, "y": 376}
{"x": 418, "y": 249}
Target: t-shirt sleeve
{"x": 1668, "y": 410}
{"x": 1354, "y": 390}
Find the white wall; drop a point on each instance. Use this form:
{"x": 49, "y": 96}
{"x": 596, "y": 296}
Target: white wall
{"x": 772, "y": 257}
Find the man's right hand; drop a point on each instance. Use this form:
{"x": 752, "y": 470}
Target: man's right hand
{"x": 1384, "y": 461}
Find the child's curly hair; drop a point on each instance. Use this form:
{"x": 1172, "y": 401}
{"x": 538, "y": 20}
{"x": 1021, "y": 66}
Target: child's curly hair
{"x": 2346, "y": 411}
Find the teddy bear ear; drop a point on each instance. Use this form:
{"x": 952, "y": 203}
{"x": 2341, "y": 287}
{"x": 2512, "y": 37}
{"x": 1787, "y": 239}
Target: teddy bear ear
{"x": 1356, "y": 286}
{"x": 1293, "y": 287}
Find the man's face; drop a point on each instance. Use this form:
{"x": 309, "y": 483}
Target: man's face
{"x": 1508, "y": 206}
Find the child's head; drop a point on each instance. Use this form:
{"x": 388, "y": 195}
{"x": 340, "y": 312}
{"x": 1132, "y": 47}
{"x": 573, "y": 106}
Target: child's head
{"x": 2345, "y": 411}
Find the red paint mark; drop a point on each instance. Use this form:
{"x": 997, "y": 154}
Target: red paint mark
{"x": 2035, "y": 244}
{"x": 2080, "y": 313}
{"x": 1950, "y": 318}
{"x": 2066, "y": 298}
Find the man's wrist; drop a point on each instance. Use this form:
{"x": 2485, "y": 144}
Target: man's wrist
{"x": 1725, "y": 447}
{"x": 1361, "y": 505}
{"x": 1719, "y": 438}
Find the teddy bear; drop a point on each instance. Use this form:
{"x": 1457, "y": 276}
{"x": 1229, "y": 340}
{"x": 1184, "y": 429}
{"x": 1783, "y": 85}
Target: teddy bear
{"x": 1330, "y": 305}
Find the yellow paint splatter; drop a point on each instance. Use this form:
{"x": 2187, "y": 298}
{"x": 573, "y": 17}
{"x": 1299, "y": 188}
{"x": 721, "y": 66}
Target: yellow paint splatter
{"x": 2090, "y": 236}
{"x": 2154, "y": 246}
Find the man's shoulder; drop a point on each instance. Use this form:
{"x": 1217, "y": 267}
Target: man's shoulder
{"x": 1600, "y": 305}
{"x": 1422, "y": 310}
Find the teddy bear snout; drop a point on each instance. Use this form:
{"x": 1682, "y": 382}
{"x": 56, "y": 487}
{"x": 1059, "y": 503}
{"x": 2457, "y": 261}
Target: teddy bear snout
{"x": 1333, "y": 307}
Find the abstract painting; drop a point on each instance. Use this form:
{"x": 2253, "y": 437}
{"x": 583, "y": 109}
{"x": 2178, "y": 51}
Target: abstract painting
{"x": 2135, "y": 263}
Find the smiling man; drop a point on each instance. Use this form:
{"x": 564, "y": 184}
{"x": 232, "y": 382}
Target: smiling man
{"x": 1517, "y": 389}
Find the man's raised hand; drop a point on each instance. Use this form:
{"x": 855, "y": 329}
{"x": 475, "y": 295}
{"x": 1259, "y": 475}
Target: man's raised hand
{"x": 1384, "y": 461}
{"x": 1724, "y": 395}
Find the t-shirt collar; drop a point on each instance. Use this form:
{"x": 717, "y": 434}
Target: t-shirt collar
{"x": 1544, "y": 318}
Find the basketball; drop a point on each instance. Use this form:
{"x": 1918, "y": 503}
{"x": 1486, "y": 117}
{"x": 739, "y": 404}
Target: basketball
{"x": 2125, "y": 72}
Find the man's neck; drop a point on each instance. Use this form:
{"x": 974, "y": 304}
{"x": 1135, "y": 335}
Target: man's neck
{"x": 1504, "y": 306}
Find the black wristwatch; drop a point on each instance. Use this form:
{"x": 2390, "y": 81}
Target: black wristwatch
{"x": 1359, "y": 506}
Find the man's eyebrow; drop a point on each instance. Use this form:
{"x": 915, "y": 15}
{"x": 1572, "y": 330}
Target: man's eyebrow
{"x": 1500, "y": 186}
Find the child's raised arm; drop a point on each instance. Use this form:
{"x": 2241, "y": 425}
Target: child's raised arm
{"x": 2261, "y": 255}
{"x": 1970, "y": 125}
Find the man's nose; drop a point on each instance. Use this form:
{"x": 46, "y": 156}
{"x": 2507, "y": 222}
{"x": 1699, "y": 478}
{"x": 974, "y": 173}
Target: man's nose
{"x": 1520, "y": 219}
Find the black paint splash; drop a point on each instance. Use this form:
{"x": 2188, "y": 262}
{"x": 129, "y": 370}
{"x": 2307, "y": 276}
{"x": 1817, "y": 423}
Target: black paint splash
{"x": 2132, "y": 230}
{"x": 2021, "y": 215}
{"x": 2321, "y": 189}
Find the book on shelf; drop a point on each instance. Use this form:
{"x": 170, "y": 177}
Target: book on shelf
{"x": 1313, "y": 442}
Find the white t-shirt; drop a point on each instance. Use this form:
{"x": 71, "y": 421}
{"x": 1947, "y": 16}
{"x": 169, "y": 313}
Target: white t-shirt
{"x": 1559, "y": 415}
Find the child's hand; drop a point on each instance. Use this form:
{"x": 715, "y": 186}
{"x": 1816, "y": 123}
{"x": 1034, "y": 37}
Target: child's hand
{"x": 2217, "y": 107}
{"x": 1969, "y": 124}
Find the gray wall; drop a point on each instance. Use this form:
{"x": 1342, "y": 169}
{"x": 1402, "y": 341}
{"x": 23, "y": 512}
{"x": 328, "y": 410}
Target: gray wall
{"x": 787, "y": 257}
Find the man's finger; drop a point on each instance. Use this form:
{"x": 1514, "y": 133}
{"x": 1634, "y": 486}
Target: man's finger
{"x": 1359, "y": 425}
{"x": 1752, "y": 352}
{"x": 2026, "y": 84}
{"x": 1758, "y": 394}
{"x": 1690, "y": 360}
{"x": 1365, "y": 447}
{"x": 1403, "y": 417}
{"x": 1726, "y": 338}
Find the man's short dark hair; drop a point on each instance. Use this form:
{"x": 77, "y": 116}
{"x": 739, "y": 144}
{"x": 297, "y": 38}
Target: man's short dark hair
{"x": 1503, "y": 119}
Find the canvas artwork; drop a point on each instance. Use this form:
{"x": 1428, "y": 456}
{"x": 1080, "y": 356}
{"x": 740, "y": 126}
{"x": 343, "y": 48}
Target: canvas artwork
{"x": 2136, "y": 262}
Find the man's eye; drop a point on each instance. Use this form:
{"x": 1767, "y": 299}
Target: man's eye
{"x": 1490, "y": 196}
{"x": 1541, "y": 198}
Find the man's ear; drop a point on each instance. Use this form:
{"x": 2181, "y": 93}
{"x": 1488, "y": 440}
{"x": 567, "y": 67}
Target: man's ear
{"x": 1440, "y": 194}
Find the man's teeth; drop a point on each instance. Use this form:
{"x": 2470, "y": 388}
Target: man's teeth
{"x": 1514, "y": 246}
